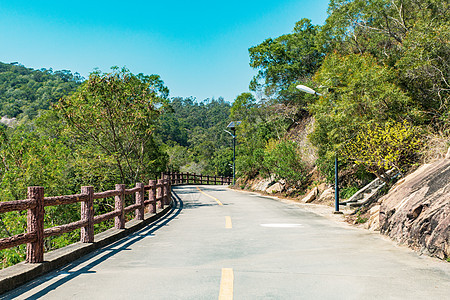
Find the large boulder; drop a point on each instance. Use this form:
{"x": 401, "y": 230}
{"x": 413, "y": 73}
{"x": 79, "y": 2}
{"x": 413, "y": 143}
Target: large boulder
{"x": 275, "y": 188}
{"x": 262, "y": 185}
{"x": 326, "y": 198}
{"x": 417, "y": 211}
{"x": 311, "y": 195}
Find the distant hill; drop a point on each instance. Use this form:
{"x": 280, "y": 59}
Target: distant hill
{"x": 25, "y": 91}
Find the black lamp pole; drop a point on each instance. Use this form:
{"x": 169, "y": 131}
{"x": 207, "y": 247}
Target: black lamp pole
{"x": 234, "y": 156}
{"x": 336, "y": 176}
{"x": 232, "y": 127}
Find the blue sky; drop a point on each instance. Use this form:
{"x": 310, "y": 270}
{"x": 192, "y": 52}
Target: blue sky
{"x": 199, "y": 48}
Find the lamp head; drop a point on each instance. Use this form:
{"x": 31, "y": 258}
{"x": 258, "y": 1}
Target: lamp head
{"x": 307, "y": 90}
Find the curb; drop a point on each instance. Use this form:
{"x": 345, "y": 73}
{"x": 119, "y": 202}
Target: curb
{"x": 19, "y": 274}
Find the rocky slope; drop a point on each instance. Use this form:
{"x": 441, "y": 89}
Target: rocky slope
{"x": 416, "y": 211}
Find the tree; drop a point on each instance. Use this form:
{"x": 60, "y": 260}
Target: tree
{"x": 281, "y": 62}
{"x": 114, "y": 116}
{"x": 283, "y": 160}
{"x": 382, "y": 147}
{"x": 410, "y": 36}
{"x": 24, "y": 92}
{"x": 359, "y": 92}
{"x": 193, "y": 133}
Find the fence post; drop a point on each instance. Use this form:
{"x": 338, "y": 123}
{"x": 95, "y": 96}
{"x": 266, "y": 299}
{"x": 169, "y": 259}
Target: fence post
{"x": 35, "y": 224}
{"x": 119, "y": 204}
{"x": 152, "y": 195}
{"x": 207, "y": 179}
{"x": 140, "y": 201}
{"x": 169, "y": 192}
{"x": 215, "y": 179}
{"x": 164, "y": 190}
{"x": 159, "y": 193}
{"x": 87, "y": 213}
{"x": 187, "y": 177}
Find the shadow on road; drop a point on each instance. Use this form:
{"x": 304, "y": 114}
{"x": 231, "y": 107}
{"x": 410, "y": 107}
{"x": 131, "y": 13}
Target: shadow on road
{"x": 103, "y": 253}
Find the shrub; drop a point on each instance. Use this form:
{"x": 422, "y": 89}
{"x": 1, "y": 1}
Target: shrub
{"x": 282, "y": 159}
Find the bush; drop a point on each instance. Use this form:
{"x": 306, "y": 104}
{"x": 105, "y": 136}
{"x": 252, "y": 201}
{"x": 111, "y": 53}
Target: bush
{"x": 382, "y": 147}
{"x": 281, "y": 158}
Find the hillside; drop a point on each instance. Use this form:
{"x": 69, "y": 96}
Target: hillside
{"x": 24, "y": 91}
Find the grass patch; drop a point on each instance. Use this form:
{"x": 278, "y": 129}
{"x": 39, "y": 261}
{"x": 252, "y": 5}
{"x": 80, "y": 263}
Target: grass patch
{"x": 348, "y": 191}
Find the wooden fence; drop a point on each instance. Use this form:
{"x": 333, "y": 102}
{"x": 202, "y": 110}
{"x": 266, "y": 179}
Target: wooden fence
{"x": 159, "y": 194}
{"x": 189, "y": 178}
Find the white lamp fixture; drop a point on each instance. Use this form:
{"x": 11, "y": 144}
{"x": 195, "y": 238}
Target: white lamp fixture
{"x": 307, "y": 90}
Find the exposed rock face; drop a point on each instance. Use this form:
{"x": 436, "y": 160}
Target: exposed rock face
{"x": 327, "y": 197}
{"x": 373, "y": 223}
{"x": 262, "y": 185}
{"x": 311, "y": 195}
{"x": 275, "y": 188}
{"x": 417, "y": 211}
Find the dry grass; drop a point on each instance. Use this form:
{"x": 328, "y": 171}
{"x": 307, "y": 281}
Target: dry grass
{"x": 299, "y": 133}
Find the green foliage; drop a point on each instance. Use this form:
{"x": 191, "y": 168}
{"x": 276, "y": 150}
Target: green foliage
{"x": 113, "y": 116}
{"x": 23, "y": 91}
{"x": 360, "y": 91}
{"x": 410, "y": 36}
{"x": 424, "y": 71}
{"x": 30, "y": 158}
{"x": 193, "y": 133}
{"x": 261, "y": 122}
{"x": 361, "y": 220}
{"x": 109, "y": 121}
{"x": 380, "y": 148}
{"x": 282, "y": 61}
{"x": 347, "y": 192}
{"x": 283, "y": 160}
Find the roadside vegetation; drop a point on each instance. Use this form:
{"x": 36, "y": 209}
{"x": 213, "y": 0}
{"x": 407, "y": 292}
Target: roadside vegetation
{"x": 381, "y": 68}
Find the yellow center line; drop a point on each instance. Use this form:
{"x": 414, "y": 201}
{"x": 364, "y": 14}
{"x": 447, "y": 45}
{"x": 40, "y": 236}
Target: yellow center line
{"x": 228, "y": 223}
{"x": 217, "y": 200}
{"x": 226, "y": 284}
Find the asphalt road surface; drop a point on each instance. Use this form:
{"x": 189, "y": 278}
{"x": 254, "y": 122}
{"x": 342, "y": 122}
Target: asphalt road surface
{"x": 218, "y": 244}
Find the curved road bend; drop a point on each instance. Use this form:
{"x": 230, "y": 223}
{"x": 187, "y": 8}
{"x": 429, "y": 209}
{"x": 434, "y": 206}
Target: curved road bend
{"x": 217, "y": 243}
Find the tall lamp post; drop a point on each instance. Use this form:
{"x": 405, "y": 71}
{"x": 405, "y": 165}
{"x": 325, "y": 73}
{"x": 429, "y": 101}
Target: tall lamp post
{"x": 336, "y": 176}
{"x": 232, "y": 127}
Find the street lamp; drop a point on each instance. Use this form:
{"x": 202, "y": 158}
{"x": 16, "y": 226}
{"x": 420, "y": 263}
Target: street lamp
{"x": 336, "y": 177}
{"x": 232, "y": 127}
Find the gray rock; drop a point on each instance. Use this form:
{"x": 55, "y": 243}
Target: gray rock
{"x": 327, "y": 195}
{"x": 262, "y": 185}
{"x": 311, "y": 195}
{"x": 275, "y": 188}
{"x": 373, "y": 223}
{"x": 417, "y": 212}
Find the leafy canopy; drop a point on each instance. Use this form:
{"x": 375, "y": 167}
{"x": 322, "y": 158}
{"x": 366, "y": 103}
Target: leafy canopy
{"x": 382, "y": 147}
{"x": 282, "y": 61}
{"x": 115, "y": 115}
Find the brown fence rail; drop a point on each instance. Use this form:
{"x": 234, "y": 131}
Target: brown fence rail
{"x": 189, "y": 178}
{"x": 158, "y": 195}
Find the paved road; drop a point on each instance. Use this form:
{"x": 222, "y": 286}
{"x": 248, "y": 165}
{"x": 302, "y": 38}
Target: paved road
{"x": 218, "y": 243}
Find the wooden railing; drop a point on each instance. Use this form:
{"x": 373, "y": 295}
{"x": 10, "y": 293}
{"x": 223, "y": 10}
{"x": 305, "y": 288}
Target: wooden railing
{"x": 189, "y": 178}
{"x": 159, "y": 194}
